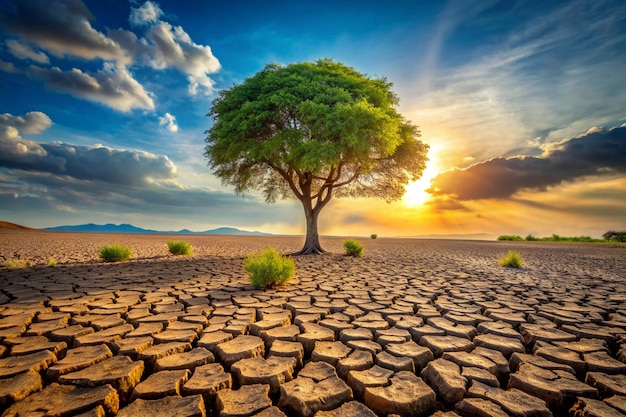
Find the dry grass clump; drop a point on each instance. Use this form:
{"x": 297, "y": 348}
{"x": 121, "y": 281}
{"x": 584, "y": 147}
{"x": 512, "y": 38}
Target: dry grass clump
{"x": 269, "y": 268}
{"x": 511, "y": 260}
{"x": 179, "y": 248}
{"x": 16, "y": 264}
{"x": 115, "y": 253}
{"x": 353, "y": 248}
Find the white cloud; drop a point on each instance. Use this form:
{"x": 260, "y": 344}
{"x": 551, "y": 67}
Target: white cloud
{"x": 31, "y": 123}
{"x": 22, "y": 51}
{"x": 64, "y": 29}
{"x": 169, "y": 121}
{"x": 171, "y": 47}
{"x": 112, "y": 86}
{"x": 147, "y": 13}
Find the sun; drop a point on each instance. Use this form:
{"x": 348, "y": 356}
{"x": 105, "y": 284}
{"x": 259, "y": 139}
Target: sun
{"x": 415, "y": 192}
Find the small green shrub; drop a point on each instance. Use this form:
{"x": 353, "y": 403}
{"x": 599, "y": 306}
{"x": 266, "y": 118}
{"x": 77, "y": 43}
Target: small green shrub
{"x": 374, "y": 236}
{"x": 511, "y": 260}
{"x": 558, "y": 238}
{"x": 530, "y": 238}
{"x": 353, "y": 248}
{"x": 52, "y": 262}
{"x": 17, "y": 263}
{"x": 510, "y": 237}
{"x": 268, "y": 268}
{"x": 114, "y": 253}
{"x": 179, "y": 248}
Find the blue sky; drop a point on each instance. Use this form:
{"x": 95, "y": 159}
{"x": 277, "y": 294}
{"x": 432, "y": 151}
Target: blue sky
{"x": 104, "y": 109}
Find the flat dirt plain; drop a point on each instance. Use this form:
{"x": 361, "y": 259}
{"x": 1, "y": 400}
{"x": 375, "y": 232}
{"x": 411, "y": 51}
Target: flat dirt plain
{"x": 415, "y": 327}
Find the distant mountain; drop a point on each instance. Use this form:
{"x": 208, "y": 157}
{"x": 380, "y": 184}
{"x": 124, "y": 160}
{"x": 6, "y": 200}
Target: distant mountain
{"x": 100, "y": 228}
{"x": 233, "y": 231}
{"x": 129, "y": 228}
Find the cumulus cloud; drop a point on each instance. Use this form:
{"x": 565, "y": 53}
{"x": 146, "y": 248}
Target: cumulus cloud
{"x": 169, "y": 121}
{"x": 597, "y": 152}
{"x": 23, "y": 51}
{"x": 147, "y": 13}
{"x": 112, "y": 86}
{"x": 31, "y": 123}
{"x": 171, "y": 46}
{"x": 115, "y": 166}
{"x": 64, "y": 29}
{"x": 167, "y": 46}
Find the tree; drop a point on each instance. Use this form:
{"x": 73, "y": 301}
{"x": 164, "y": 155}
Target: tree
{"x": 615, "y": 236}
{"x": 313, "y": 131}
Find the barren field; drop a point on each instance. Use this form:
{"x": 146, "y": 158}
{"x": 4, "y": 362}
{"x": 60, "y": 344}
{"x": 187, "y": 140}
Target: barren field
{"x": 415, "y": 327}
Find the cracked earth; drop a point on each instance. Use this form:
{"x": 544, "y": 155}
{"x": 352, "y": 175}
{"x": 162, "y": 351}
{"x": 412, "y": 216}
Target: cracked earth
{"x": 414, "y": 328}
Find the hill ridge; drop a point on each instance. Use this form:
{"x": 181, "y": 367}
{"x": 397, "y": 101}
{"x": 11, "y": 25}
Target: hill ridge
{"x": 129, "y": 228}
{"x": 12, "y": 226}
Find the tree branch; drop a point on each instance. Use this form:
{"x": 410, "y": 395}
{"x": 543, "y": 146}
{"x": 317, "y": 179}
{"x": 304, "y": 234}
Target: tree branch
{"x": 288, "y": 176}
{"x": 321, "y": 202}
{"x": 328, "y": 182}
{"x": 349, "y": 180}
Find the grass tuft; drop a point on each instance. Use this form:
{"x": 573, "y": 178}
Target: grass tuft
{"x": 52, "y": 262}
{"x": 511, "y": 260}
{"x": 179, "y": 248}
{"x": 115, "y": 253}
{"x": 16, "y": 264}
{"x": 374, "y": 236}
{"x": 353, "y": 248}
{"x": 269, "y": 268}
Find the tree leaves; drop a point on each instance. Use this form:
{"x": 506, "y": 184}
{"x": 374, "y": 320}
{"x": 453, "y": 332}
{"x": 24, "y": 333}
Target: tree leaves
{"x": 304, "y": 128}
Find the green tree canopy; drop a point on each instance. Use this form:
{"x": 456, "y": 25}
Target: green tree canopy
{"x": 615, "y": 236}
{"x": 313, "y": 131}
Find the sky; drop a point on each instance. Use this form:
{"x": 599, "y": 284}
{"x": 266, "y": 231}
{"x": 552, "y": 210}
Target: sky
{"x": 103, "y": 111}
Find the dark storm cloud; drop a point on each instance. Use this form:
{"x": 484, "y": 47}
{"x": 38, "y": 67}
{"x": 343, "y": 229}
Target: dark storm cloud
{"x": 100, "y": 163}
{"x": 85, "y": 194}
{"x": 112, "y": 86}
{"x": 598, "y": 152}
{"x": 86, "y": 163}
{"x": 66, "y": 181}
{"x": 28, "y": 192}
{"x": 61, "y": 27}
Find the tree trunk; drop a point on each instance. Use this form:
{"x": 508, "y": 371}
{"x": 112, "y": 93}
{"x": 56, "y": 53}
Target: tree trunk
{"x": 312, "y": 240}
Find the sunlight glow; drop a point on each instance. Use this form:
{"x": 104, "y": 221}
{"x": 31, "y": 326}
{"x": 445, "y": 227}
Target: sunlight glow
{"x": 416, "y": 194}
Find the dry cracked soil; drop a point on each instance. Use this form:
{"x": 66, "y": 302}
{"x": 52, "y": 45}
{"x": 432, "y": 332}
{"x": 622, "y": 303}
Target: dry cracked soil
{"x": 413, "y": 328}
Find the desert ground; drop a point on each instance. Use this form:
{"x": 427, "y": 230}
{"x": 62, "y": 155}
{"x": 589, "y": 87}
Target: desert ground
{"x": 413, "y": 328}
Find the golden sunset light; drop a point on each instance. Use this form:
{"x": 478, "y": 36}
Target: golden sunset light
{"x": 416, "y": 194}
